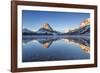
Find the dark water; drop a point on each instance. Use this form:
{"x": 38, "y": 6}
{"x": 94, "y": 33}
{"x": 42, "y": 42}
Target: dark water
{"x": 55, "y": 48}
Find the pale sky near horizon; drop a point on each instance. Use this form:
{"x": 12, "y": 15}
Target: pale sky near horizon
{"x": 59, "y": 21}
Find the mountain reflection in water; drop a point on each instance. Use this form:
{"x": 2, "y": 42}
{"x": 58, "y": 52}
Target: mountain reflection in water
{"x": 52, "y": 48}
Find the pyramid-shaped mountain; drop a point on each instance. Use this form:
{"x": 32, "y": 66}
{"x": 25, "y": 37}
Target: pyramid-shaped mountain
{"x": 46, "y": 29}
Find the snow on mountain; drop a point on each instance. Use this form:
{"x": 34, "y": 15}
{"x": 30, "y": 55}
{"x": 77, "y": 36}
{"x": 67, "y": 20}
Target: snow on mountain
{"x": 25, "y": 30}
{"x": 83, "y": 31}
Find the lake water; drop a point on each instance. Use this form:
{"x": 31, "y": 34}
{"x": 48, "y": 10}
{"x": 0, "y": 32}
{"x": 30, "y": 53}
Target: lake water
{"x": 55, "y": 48}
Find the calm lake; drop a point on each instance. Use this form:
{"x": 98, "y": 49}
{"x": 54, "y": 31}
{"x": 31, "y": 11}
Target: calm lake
{"x": 55, "y": 48}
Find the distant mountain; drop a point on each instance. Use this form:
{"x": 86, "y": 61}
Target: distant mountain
{"x": 84, "y": 28}
{"x": 46, "y": 29}
{"x": 85, "y": 22}
{"x": 26, "y": 31}
{"x": 83, "y": 31}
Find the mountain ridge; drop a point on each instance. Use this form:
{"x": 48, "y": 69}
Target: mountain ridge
{"x": 46, "y": 29}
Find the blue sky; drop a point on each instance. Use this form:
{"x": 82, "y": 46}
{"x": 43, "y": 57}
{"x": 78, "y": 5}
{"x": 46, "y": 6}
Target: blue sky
{"x": 59, "y": 21}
